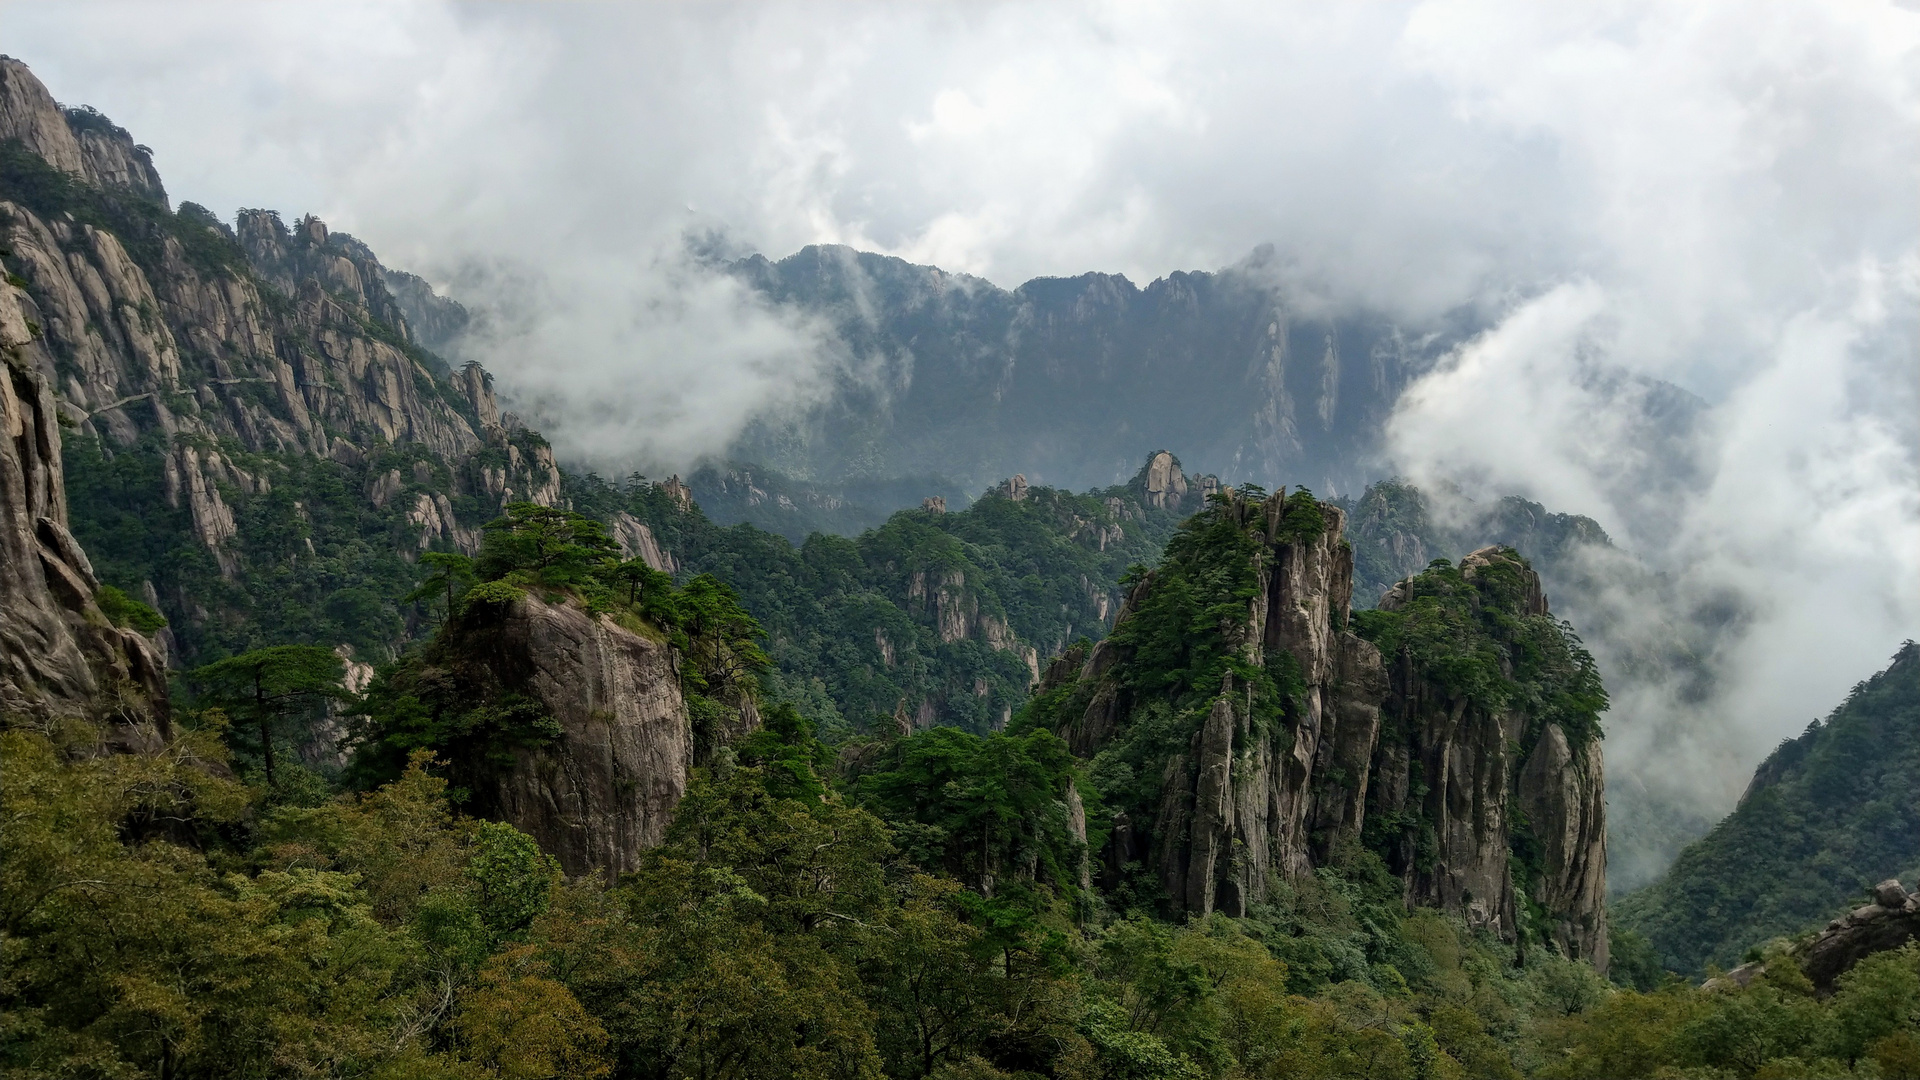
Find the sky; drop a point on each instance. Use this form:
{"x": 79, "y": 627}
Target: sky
{"x": 1720, "y": 195}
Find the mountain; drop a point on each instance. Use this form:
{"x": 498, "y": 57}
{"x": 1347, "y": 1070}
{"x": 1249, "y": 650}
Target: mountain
{"x": 733, "y": 492}
{"x": 1245, "y": 729}
{"x": 257, "y": 447}
{"x": 1826, "y": 817}
{"x": 1065, "y": 379}
{"x": 1652, "y": 652}
{"x": 636, "y": 793}
{"x": 935, "y": 616}
{"x": 69, "y": 649}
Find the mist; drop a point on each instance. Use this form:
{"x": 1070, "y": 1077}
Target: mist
{"x": 1716, "y": 196}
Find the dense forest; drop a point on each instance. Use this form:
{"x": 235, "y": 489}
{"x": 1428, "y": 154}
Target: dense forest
{"x": 473, "y": 767}
{"x": 1830, "y": 813}
{"x": 817, "y": 907}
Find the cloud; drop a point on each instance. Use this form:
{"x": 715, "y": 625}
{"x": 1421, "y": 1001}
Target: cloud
{"x": 1772, "y": 539}
{"x": 1745, "y": 229}
{"x": 716, "y": 357}
{"x": 1714, "y": 194}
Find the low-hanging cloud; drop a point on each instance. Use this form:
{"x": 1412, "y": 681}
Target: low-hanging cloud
{"x": 566, "y": 343}
{"x": 1713, "y": 195}
{"x": 1774, "y": 536}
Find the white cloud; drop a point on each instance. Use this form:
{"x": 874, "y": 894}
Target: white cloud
{"x": 1719, "y": 194}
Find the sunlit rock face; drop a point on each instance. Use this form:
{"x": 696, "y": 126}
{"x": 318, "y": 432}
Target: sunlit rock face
{"x": 604, "y": 788}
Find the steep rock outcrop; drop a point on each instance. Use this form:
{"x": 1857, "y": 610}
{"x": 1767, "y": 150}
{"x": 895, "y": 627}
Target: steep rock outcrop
{"x": 78, "y": 142}
{"x": 603, "y": 786}
{"x": 60, "y": 655}
{"x": 1314, "y": 741}
{"x": 637, "y": 541}
{"x": 1562, "y": 794}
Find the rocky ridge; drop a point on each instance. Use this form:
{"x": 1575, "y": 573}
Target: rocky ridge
{"x": 959, "y": 376}
{"x": 223, "y": 353}
{"x": 1889, "y": 920}
{"x": 1365, "y": 750}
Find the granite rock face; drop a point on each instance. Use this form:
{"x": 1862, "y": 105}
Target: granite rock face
{"x": 1241, "y": 807}
{"x": 208, "y": 347}
{"x": 1890, "y": 921}
{"x": 1064, "y": 379}
{"x": 60, "y": 656}
{"x": 605, "y": 789}
{"x": 79, "y": 142}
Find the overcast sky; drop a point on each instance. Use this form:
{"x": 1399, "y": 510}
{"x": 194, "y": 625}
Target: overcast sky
{"x": 1722, "y": 195}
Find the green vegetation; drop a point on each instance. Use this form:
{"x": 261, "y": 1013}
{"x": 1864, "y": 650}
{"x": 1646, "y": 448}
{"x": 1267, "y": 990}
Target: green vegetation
{"x": 999, "y": 813}
{"x": 316, "y": 562}
{"x": 125, "y": 611}
{"x": 861, "y": 628}
{"x": 1775, "y": 1027}
{"x": 444, "y": 698}
{"x": 1395, "y": 535}
{"x": 143, "y": 225}
{"x": 1827, "y": 816}
{"x": 1469, "y": 634}
{"x": 901, "y": 905}
{"x": 1184, "y": 645}
{"x": 266, "y": 688}
{"x": 161, "y": 920}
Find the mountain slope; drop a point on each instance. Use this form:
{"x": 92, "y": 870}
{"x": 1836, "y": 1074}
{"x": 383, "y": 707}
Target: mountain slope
{"x": 1826, "y": 817}
{"x": 1066, "y": 379}
{"x": 1245, "y": 732}
{"x": 258, "y": 447}
{"x": 931, "y": 617}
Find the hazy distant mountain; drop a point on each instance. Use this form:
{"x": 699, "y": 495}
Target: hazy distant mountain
{"x": 1070, "y": 380}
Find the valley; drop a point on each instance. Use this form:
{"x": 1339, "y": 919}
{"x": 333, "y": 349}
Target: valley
{"x": 951, "y": 730}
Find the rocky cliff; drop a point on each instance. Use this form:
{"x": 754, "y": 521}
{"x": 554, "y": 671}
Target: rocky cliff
{"x": 1248, "y": 733}
{"x": 1065, "y": 379}
{"x": 229, "y": 363}
{"x": 78, "y": 142}
{"x": 614, "y": 742}
{"x": 60, "y": 654}
{"x": 1888, "y": 920}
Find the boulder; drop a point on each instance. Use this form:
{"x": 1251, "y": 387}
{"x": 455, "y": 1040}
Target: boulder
{"x": 1892, "y": 920}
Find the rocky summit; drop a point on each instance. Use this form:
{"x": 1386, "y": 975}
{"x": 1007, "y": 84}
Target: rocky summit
{"x": 1295, "y": 741}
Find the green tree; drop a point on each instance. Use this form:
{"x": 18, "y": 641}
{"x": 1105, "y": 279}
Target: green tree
{"x": 452, "y": 575}
{"x": 981, "y": 806}
{"x": 557, "y": 547}
{"x": 514, "y": 876}
{"x": 266, "y": 687}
